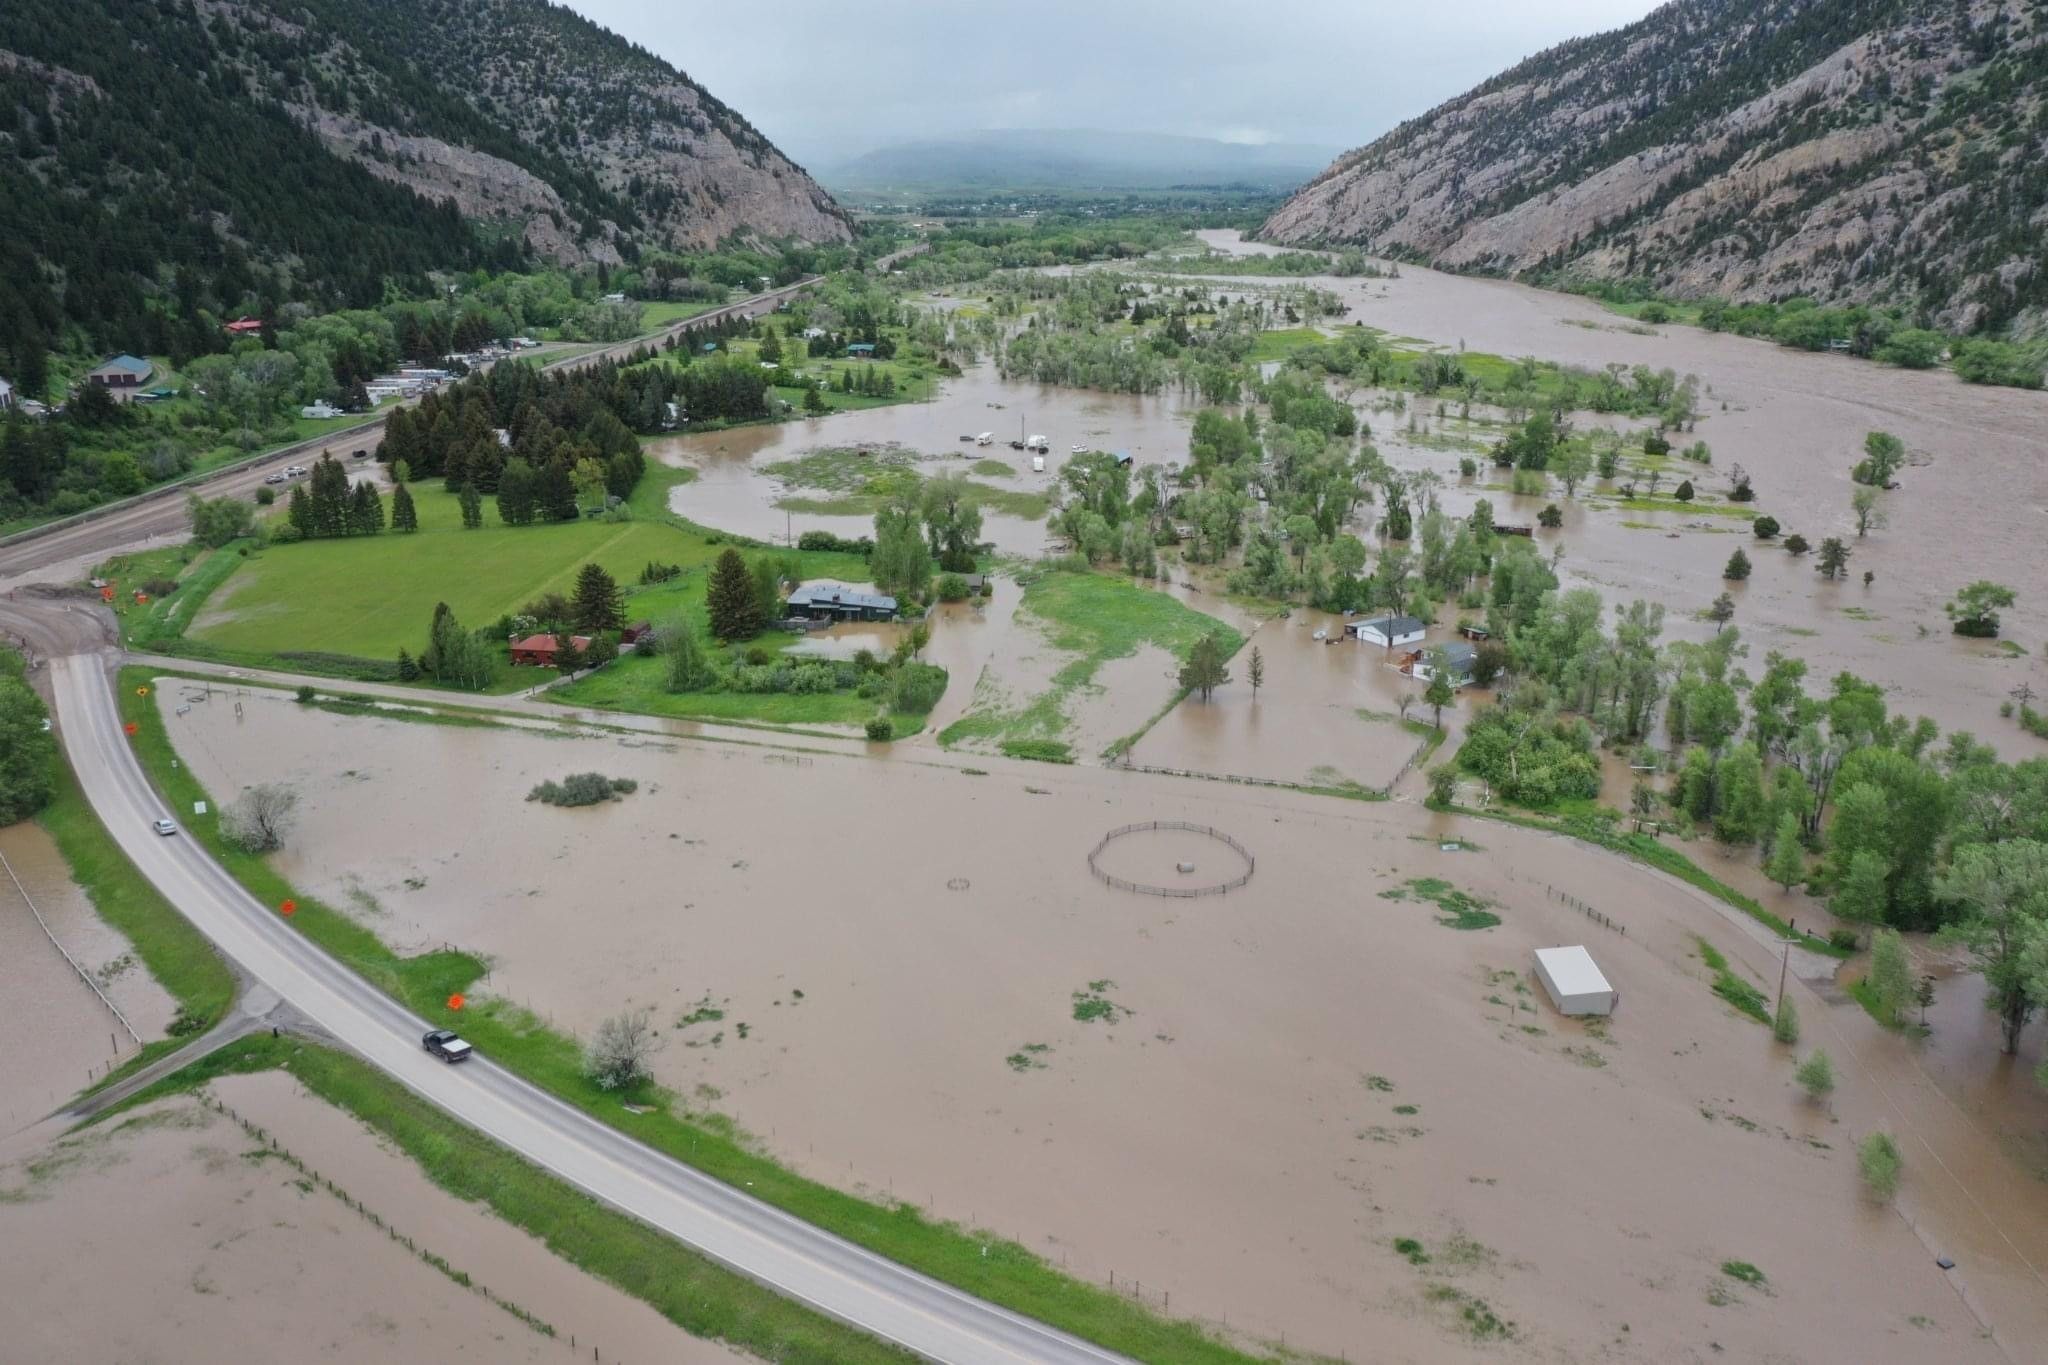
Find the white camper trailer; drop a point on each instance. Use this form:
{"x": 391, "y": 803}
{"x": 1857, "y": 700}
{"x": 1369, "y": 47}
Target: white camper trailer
{"x": 1038, "y": 464}
{"x": 987, "y": 438}
{"x": 1575, "y": 983}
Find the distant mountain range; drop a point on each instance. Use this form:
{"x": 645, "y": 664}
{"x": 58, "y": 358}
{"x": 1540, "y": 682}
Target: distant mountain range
{"x": 1890, "y": 151}
{"x": 1076, "y": 159}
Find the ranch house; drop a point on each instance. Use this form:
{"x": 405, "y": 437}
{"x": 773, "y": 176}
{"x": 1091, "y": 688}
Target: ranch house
{"x": 828, "y": 601}
{"x": 1388, "y": 632}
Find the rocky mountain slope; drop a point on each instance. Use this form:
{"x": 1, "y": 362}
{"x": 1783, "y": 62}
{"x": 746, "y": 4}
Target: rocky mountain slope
{"x": 316, "y": 148}
{"x": 1888, "y": 151}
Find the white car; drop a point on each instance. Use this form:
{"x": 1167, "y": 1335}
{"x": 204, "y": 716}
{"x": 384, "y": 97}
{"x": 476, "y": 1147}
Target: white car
{"x": 164, "y": 827}
{"x": 294, "y": 471}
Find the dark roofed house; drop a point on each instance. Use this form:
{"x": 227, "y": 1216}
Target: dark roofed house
{"x": 539, "y": 651}
{"x": 824, "y": 600}
{"x": 1458, "y": 661}
{"x": 862, "y": 350}
{"x": 121, "y": 372}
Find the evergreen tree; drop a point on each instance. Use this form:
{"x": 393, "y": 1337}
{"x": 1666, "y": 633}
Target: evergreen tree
{"x": 1737, "y": 568}
{"x": 403, "y": 517}
{"x": 598, "y": 604}
{"x": 299, "y": 512}
{"x": 1834, "y": 557}
{"x": 472, "y": 504}
{"x": 555, "y": 492}
{"x": 1256, "y": 673}
{"x": 408, "y": 671}
{"x": 1204, "y": 670}
{"x": 516, "y": 493}
{"x": 729, "y": 598}
{"x": 365, "y": 510}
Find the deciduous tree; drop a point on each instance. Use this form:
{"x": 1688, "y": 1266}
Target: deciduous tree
{"x": 1204, "y": 670}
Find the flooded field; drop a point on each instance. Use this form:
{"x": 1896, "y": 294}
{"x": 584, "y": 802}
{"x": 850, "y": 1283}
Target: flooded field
{"x": 58, "y": 1030}
{"x": 944, "y": 1005}
{"x": 733, "y": 493}
{"x": 1327, "y": 715}
{"x": 1974, "y": 500}
{"x": 224, "y": 1251}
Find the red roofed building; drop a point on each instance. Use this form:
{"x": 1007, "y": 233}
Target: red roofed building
{"x": 243, "y": 327}
{"x": 538, "y": 651}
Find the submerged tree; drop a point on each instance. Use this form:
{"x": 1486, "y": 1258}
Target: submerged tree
{"x": 1204, "y": 670}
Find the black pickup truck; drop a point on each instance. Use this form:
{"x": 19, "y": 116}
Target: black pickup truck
{"x": 444, "y": 1044}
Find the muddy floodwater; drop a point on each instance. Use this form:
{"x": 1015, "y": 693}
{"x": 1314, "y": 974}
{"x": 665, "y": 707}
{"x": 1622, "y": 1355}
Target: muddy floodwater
{"x": 1973, "y": 501}
{"x": 733, "y": 493}
{"x": 902, "y": 977}
{"x": 58, "y": 1031}
{"x": 217, "y": 1249}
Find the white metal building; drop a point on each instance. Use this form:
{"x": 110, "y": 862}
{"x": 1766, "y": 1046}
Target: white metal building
{"x": 1575, "y": 982}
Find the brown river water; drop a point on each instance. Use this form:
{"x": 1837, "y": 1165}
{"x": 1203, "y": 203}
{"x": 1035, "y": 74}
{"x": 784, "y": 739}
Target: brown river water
{"x": 889, "y": 934}
{"x": 58, "y": 1030}
{"x": 1974, "y": 500}
{"x": 223, "y": 1252}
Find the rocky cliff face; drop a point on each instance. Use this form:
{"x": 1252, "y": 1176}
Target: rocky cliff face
{"x": 1844, "y": 150}
{"x": 525, "y": 113}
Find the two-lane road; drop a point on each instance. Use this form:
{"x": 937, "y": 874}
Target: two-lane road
{"x": 789, "y": 1256}
{"x": 161, "y": 511}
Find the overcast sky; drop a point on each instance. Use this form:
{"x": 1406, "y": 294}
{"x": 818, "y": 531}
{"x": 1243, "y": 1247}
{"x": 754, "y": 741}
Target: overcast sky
{"x": 830, "y": 80}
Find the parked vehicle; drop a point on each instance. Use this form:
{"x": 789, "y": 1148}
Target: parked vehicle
{"x": 1038, "y": 443}
{"x": 445, "y": 1044}
{"x": 164, "y": 827}
{"x": 275, "y": 478}
{"x": 294, "y": 471}
{"x": 987, "y": 438}
{"x": 1038, "y": 464}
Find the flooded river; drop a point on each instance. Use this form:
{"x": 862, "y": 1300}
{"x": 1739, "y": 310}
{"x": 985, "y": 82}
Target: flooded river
{"x": 1974, "y": 500}
{"x": 1305, "y": 1061}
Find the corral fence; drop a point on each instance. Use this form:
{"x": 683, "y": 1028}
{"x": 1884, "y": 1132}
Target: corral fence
{"x": 1179, "y": 892}
{"x": 1598, "y": 917}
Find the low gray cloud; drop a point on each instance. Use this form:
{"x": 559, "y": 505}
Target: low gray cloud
{"x": 831, "y": 80}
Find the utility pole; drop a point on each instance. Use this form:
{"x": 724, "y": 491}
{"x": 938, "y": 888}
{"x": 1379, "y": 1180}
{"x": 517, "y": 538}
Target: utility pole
{"x": 1784, "y": 965}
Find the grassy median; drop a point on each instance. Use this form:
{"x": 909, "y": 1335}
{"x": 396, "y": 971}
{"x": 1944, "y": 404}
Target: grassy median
{"x": 990, "y": 1267}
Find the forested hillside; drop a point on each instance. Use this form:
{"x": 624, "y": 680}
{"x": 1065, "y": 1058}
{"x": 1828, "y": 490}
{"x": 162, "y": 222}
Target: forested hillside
{"x": 159, "y": 157}
{"x": 1851, "y": 151}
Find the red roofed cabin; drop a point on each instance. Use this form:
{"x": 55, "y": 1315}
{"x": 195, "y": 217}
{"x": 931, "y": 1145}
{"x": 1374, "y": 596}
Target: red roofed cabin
{"x": 538, "y": 651}
{"x": 244, "y": 327}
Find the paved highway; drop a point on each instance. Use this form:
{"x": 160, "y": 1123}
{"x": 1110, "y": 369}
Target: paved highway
{"x": 161, "y": 512}
{"x": 789, "y": 1256}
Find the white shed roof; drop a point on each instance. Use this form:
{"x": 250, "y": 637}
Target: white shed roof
{"x": 1572, "y": 971}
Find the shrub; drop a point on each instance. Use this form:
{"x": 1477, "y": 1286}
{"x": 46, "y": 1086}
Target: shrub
{"x": 1795, "y": 544}
{"x": 660, "y": 573}
{"x": 305, "y": 694}
{"x": 582, "y": 789}
{"x": 881, "y": 728}
{"x": 1878, "y": 1159}
{"x": 1845, "y": 939}
{"x": 1443, "y": 785}
{"x": 1765, "y": 527}
{"x": 1655, "y": 444}
{"x": 1550, "y": 518}
{"x": 825, "y": 540}
{"x": 757, "y": 655}
{"x": 1467, "y": 467}
{"x": 1684, "y": 492}
{"x": 618, "y": 1056}
{"x": 1816, "y": 1075}
{"x": 918, "y": 687}
{"x": 1785, "y": 1024}
{"x": 265, "y": 496}
{"x": 952, "y": 588}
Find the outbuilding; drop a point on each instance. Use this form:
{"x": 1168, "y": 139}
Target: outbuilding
{"x": 1459, "y": 660}
{"x": 121, "y": 372}
{"x": 1575, "y": 982}
{"x": 1388, "y": 631}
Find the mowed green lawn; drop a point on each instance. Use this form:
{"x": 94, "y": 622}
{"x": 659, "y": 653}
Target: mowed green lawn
{"x": 370, "y": 597}
{"x": 374, "y": 595}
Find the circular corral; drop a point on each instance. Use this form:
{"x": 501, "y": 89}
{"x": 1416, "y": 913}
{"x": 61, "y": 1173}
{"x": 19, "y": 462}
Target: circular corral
{"x": 1171, "y": 858}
